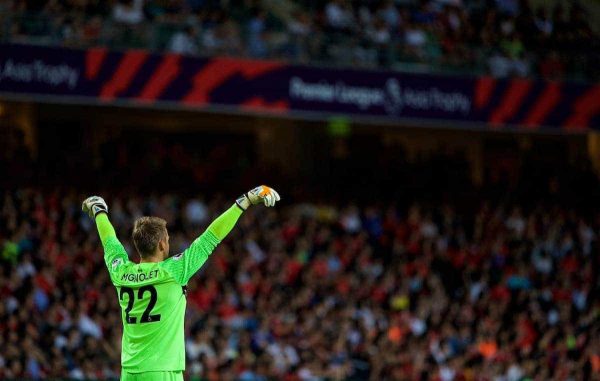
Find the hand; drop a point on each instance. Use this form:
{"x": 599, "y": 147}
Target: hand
{"x": 94, "y": 205}
{"x": 262, "y": 194}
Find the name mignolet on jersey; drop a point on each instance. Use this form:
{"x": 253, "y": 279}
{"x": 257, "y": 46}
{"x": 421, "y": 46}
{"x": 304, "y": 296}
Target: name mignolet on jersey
{"x": 152, "y": 298}
{"x": 139, "y": 277}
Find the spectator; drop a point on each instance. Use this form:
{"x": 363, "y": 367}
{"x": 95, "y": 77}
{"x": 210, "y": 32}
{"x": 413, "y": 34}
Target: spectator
{"x": 354, "y": 292}
{"x": 415, "y": 40}
{"x": 379, "y": 34}
{"x": 257, "y": 43}
{"x": 339, "y": 15}
{"x": 390, "y": 14}
{"x": 510, "y": 60}
{"x": 461, "y": 34}
{"x": 184, "y": 42}
{"x": 299, "y": 28}
{"x": 543, "y": 23}
{"x": 128, "y": 11}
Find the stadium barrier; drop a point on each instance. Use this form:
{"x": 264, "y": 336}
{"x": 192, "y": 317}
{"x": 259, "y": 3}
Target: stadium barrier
{"x": 140, "y": 78}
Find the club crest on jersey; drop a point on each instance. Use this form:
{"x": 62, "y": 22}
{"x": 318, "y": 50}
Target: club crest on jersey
{"x": 116, "y": 263}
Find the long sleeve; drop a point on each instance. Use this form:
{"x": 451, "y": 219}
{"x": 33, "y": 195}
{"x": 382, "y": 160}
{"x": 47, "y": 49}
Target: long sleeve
{"x": 105, "y": 228}
{"x": 183, "y": 266}
{"x": 114, "y": 252}
{"x": 223, "y": 224}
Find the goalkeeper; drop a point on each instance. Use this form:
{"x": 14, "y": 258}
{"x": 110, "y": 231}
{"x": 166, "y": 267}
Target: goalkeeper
{"x": 152, "y": 293}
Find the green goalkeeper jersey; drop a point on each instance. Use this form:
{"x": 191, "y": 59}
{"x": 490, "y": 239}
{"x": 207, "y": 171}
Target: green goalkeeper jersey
{"x": 152, "y": 295}
{"x": 152, "y": 299}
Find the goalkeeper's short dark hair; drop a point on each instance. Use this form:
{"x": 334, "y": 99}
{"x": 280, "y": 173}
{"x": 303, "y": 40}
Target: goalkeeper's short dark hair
{"x": 147, "y": 231}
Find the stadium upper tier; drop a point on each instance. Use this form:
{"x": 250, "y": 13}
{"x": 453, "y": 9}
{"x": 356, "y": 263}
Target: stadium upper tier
{"x": 504, "y": 38}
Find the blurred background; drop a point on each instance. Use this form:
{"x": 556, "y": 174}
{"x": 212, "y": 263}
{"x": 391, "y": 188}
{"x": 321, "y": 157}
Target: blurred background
{"x": 438, "y": 162}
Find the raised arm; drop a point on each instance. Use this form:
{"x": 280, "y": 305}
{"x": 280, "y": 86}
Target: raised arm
{"x": 114, "y": 252}
{"x": 223, "y": 224}
{"x": 183, "y": 266}
{"x": 105, "y": 228}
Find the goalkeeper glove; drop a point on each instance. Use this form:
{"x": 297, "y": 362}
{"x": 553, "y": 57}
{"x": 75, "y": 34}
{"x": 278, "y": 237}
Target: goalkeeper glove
{"x": 94, "y": 205}
{"x": 258, "y": 195}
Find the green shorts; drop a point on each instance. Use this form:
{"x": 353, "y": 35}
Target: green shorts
{"x": 152, "y": 376}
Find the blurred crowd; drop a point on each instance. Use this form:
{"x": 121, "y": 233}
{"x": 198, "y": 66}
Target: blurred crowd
{"x": 315, "y": 291}
{"x": 501, "y": 37}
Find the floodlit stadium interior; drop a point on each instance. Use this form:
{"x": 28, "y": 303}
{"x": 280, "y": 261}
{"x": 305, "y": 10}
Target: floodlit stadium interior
{"x": 437, "y": 162}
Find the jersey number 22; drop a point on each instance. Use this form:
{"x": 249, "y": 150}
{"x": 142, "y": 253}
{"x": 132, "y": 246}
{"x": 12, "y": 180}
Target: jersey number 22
{"x": 147, "y": 316}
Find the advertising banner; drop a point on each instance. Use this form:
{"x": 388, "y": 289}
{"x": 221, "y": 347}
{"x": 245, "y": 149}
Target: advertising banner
{"x": 231, "y": 84}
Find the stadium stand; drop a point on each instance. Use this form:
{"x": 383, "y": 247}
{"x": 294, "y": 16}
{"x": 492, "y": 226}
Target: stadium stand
{"x": 406, "y": 289}
{"x": 504, "y": 38}
{"x": 446, "y": 262}
{"x": 318, "y": 291}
